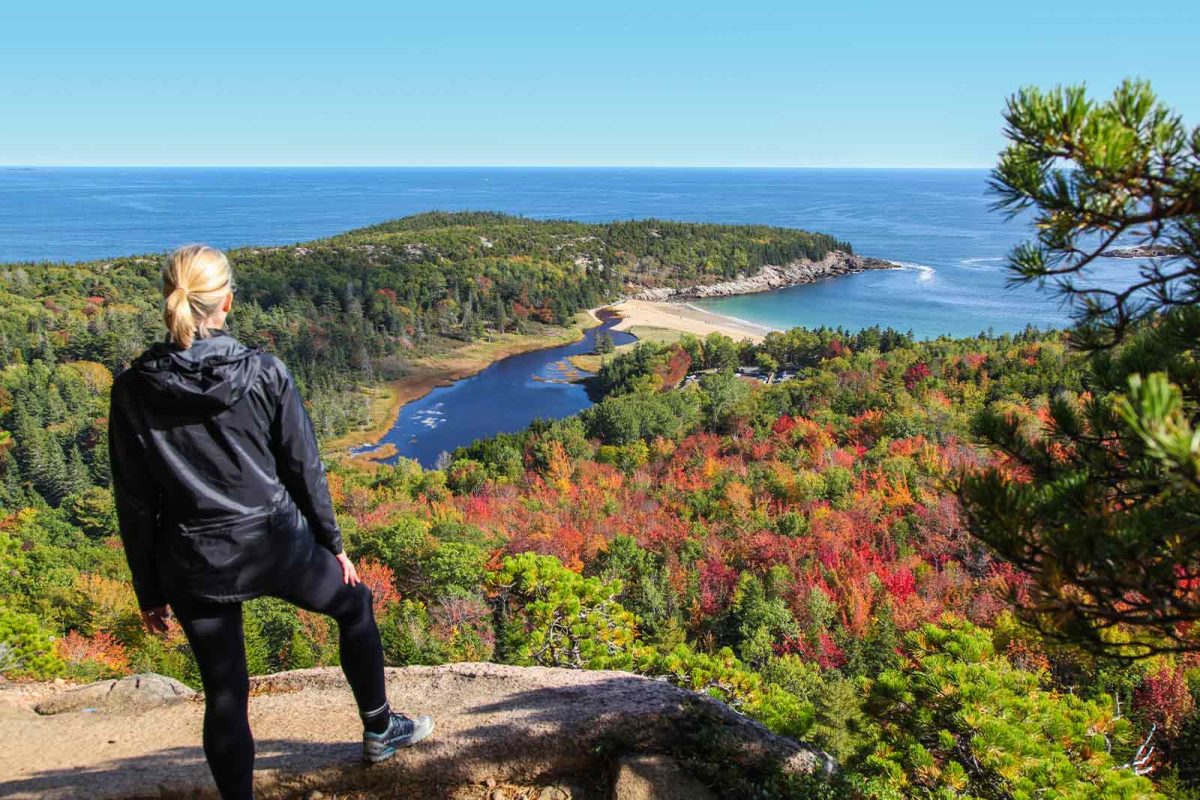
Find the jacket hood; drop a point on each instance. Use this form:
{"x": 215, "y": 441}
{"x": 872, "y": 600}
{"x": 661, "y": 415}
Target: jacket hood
{"x": 209, "y": 377}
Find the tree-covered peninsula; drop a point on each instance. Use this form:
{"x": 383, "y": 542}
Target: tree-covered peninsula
{"x": 361, "y": 307}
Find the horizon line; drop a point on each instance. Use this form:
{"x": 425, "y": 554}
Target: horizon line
{"x": 497, "y": 166}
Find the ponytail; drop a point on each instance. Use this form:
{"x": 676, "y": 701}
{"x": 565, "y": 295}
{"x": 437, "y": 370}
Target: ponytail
{"x": 181, "y": 325}
{"x": 195, "y": 281}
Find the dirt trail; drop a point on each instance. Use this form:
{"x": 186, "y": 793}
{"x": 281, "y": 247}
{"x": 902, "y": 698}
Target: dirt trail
{"x": 505, "y": 725}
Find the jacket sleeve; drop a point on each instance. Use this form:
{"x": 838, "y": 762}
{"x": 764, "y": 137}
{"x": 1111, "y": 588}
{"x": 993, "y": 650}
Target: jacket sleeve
{"x": 137, "y": 500}
{"x": 299, "y": 466}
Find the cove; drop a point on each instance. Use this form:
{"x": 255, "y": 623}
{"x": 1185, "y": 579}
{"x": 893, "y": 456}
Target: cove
{"x": 503, "y": 398}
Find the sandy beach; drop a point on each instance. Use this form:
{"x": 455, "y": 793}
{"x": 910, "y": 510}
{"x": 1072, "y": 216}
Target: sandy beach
{"x": 683, "y": 317}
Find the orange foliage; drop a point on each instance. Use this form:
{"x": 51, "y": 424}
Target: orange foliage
{"x": 101, "y": 650}
{"x": 381, "y": 580}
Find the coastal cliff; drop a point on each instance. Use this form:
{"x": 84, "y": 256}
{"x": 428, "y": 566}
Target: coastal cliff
{"x": 770, "y": 277}
{"x": 503, "y": 733}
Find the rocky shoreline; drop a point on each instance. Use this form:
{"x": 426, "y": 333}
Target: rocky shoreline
{"x": 770, "y": 277}
{"x": 1144, "y": 251}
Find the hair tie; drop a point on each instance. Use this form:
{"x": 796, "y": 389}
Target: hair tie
{"x": 180, "y": 289}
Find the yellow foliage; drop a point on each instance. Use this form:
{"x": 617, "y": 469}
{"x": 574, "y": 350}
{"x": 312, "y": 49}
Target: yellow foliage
{"x": 109, "y": 603}
{"x": 95, "y": 377}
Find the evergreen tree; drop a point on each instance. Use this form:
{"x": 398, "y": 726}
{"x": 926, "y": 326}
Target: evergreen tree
{"x": 45, "y": 350}
{"x": 51, "y": 477}
{"x": 76, "y": 477}
{"x": 1103, "y": 509}
{"x": 12, "y": 490}
{"x": 604, "y": 343}
{"x": 960, "y": 721}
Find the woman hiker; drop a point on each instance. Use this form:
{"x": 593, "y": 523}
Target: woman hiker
{"x": 222, "y": 497}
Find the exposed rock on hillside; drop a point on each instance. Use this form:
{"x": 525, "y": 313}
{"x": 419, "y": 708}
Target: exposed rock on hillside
{"x": 772, "y": 277}
{"x": 502, "y": 731}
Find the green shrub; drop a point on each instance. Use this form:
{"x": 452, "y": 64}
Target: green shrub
{"x": 26, "y": 649}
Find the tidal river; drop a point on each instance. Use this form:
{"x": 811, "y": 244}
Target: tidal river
{"x": 503, "y": 398}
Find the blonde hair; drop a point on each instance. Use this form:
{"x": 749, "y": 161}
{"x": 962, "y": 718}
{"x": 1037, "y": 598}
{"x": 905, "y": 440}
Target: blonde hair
{"x": 195, "y": 280}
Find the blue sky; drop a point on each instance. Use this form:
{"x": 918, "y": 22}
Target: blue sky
{"x": 836, "y": 83}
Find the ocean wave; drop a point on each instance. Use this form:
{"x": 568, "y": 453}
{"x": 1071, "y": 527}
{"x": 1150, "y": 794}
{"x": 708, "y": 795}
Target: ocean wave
{"x": 970, "y": 262}
{"x": 926, "y": 272}
{"x": 730, "y": 317}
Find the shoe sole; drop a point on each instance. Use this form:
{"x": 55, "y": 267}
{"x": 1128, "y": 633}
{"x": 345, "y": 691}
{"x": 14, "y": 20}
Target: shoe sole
{"x": 391, "y": 751}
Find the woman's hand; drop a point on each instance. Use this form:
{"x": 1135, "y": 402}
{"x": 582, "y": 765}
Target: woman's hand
{"x": 156, "y": 619}
{"x": 349, "y": 573}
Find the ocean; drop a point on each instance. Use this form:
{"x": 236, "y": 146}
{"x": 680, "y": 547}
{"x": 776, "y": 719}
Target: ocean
{"x": 937, "y": 223}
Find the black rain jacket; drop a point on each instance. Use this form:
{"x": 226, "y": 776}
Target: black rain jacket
{"x": 218, "y": 484}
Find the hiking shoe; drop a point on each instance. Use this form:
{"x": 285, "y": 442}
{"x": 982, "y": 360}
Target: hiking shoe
{"x": 401, "y": 732}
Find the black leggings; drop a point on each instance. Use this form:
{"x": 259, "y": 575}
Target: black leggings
{"x": 214, "y": 631}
